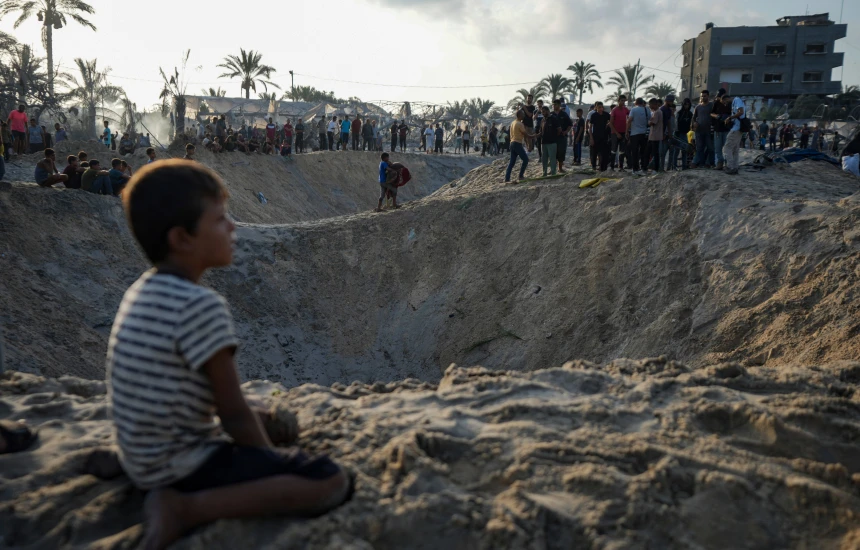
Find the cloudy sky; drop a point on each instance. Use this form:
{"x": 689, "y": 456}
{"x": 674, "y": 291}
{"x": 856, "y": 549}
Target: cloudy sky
{"x": 414, "y": 50}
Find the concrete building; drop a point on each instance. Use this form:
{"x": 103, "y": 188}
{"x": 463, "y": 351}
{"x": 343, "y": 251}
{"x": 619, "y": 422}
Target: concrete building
{"x": 781, "y": 62}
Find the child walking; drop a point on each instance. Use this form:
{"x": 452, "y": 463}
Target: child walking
{"x": 171, "y": 370}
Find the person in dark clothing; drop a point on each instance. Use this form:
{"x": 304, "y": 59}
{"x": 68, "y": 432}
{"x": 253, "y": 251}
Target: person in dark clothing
{"x": 578, "y": 135}
{"x": 440, "y": 138}
{"x": 403, "y": 129}
{"x": 684, "y": 121}
{"x": 394, "y": 131}
{"x": 702, "y": 127}
{"x": 529, "y": 121}
{"x": 538, "y": 116}
{"x": 564, "y": 124}
{"x": 720, "y": 112}
{"x": 598, "y": 138}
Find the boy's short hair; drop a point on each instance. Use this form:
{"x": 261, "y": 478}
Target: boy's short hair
{"x": 150, "y": 150}
{"x": 622, "y": 97}
{"x": 85, "y": 164}
{"x": 71, "y": 158}
{"x": 115, "y": 162}
{"x": 189, "y": 147}
{"x": 82, "y": 154}
{"x": 95, "y": 162}
{"x": 168, "y": 194}
{"x": 579, "y": 111}
{"x": 48, "y": 152}
{"x": 384, "y": 156}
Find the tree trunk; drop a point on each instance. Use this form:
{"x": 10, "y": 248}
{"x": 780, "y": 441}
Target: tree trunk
{"x": 248, "y": 92}
{"x": 581, "y": 91}
{"x": 180, "y": 115}
{"x": 91, "y": 120}
{"x": 49, "y": 46}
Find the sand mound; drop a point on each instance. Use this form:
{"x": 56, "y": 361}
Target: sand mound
{"x": 305, "y": 187}
{"x": 631, "y": 454}
{"x": 700, "y": 267}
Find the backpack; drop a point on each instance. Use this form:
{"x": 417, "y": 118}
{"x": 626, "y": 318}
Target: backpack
{"x": 746, "y": 124}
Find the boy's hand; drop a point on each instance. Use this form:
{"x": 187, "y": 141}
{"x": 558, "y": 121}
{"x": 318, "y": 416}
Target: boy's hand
{"x": 237, "y": 419}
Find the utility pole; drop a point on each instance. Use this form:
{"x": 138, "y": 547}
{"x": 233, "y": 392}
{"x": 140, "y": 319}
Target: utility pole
{"x": 292, "y": 87}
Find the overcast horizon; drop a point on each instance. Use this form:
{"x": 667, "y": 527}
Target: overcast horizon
{"x": 400, "y": 49}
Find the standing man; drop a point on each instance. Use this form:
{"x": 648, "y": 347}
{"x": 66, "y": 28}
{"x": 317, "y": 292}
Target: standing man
{"x": 518, "y": 148}
{"x": 394, "y": 130}
{"x": 427, "y": 138}
{"x": 403, "y": 129}
{"x": 494, "y": 140}
{"x": 528, "y": 121}
{"x": 598, "y": 136}
{"x": 702, "y": 127}
{"x": 564, "y": 126}
{"x": 733, "y": 140}
{"x": 440, "y": 138}
{"x": 684, "y": 121}
{"x": 763, "y": 132}
{"x": 719, "y": 114}
{"x": 637, "y": 136}
{"x": 300, "y": 136}
{"x": 538, "y": 118}
{"x": 59, "y": 133}
{"x": 578, "y": 135}
{"x": 804, "y": 135}
{"x": 549, "y": 131}
{"x": 356, "y": 134}
{"x": 345, "y": 125}
{"x": 37, "y": 137}
{"x": 367, "y": 135}
{"x": 655, "y": 136}
{"x": 18, "y": 125}
{"x": 321, "y": 131}
{"x": 271, "y": 131}
{"x": 618, "y": 119}
{"x": 668, "y": 110}
{"x": 332, "y": 128}
{"x": 288, "y": 134}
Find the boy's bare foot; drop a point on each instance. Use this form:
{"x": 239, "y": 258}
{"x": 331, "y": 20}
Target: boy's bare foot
{"x": 163, "y": 510}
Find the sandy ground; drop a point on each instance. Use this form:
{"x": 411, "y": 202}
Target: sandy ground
{"x": 710, "y": 321}
{"x": 631, "y": 454}
{"x": 304, "y": 187}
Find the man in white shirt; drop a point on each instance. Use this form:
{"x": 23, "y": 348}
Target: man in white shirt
{"x": 733, "y": 140}
{"x": 332, "y": 129}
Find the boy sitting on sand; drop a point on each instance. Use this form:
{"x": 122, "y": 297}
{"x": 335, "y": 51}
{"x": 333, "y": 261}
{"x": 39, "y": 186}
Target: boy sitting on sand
{"x": 171, "y": 369}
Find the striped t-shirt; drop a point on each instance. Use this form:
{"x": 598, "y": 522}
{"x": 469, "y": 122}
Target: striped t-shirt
{"x": 163, "y": 410}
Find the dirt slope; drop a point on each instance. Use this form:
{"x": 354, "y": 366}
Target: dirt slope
{"x": 627, "y": 455}
{"x": 700, "y": 268}
{"x": 304, "y": 187}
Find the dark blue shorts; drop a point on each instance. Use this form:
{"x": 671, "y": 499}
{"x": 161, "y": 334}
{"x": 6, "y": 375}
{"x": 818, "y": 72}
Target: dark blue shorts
{"x": 231, "y": 464}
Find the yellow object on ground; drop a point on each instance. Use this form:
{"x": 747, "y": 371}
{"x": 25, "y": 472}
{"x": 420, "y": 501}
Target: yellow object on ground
{"x": 594, "y": 182}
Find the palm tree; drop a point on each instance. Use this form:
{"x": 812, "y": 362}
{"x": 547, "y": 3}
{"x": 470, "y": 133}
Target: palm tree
{"x": 53, "y": 14}
{"x": 585, "y": 76}
{"x": 268, "y": 96}
{"x": 213, "y": 92}
{"x": 247, "y": 66}
{"x": 613, "y": 97}
{"x": 630, "y": 79}
{"x": 538, "y": 91}
{"x": 91, "y": 89}
{"x": 477, "y": 107}
{"x": 174, "y": 88}
{"x": 848, "y": 96}
{"x": 556, "y": 85}
{"x": 660, "y": 90}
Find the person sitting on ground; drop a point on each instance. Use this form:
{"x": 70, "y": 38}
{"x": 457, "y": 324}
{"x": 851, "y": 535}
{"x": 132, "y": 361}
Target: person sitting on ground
{"x": 150, "y": 153}
{"x": 189, "y": 152}
{"x": 268, "y": 148}
{"x": 126, "y": 145}
{"x": 206, "y": 468}
{"x": 216, "y": 146}
{"x": 230, "y": 142}
{"x": 6, "y": 139}
{"x": 59, "y": 133}
{"x": 388, "y": 176}
{"x": 125, "y": 167}
{"x": 242, "y": 145}
{"x": 46, "y": 173}
{"x": 286, "y": 148}
{"x": 95, "y": 180}
{"x": 207, "y": 141}
{"x": 118, "y": 179}
{"x": 254, "y": 145}
{"x": 73, "y": 171}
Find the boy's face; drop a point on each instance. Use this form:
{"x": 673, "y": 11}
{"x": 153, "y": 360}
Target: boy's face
{"x": 214, "y": 238}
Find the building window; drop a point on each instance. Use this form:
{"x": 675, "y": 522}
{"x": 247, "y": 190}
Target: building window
{"x": 699, "y": 80}
{"x": 749, "y": 50}
{"x": 746, "y": 77}
{"x": 700, "y": 55}
{"x": 684, "y": 85}
{"x": 686, "y": 59}
{"x": 812, "y": 76}
{"x": 775, "y": 49}
{"x": 772, "y": 78}
{"x": 813, "y": 49}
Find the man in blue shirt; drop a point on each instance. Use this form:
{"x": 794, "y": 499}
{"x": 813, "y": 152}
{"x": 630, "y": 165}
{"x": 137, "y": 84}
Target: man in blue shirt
{"x": 106, "y": 135}
{"x": 117, "y": 178}
{"x": 344, "y": 132}
{"x": 388, "y": 177}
